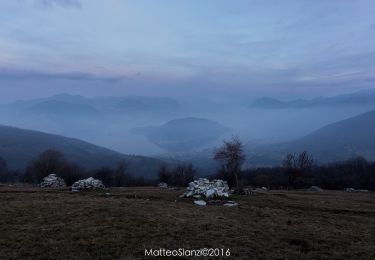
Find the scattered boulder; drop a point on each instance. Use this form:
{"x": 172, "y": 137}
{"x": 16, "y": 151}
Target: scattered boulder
{"x": 207, "y": 189}
{"x": 231, "y": 204}
{"x": 52, "y": 181}
{"x": 163, "y": 185}
{"x": 200, "y": 202}
{"x": 261, "y": 190}
{"x": 88, "y": 184}
{"x": 315, "y": 188}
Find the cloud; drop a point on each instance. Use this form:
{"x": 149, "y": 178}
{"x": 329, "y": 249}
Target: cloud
{"x": 11, "y": 74}
{"x": 60, "y": 3}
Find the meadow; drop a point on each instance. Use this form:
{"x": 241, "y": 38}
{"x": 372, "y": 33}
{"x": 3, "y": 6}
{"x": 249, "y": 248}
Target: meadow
{"x": 120, "y": 223}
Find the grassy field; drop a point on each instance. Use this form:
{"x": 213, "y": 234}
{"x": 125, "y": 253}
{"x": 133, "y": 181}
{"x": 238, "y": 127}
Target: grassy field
{"x": 52, "y": 224}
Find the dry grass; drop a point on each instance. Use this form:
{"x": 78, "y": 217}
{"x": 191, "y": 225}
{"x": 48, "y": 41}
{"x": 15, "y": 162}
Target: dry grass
{"x": 52, "y": 224}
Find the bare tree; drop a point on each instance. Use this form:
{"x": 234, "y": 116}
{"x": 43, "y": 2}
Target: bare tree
{"x": 232, "y": 156}
{"x": 49, "y": 161}
{"x": 121, "y": 176}
{"x": 180, "y": 175}
{"x": 164, "y": 174}
{"x": 4, "y": 173}
{"x": 296, "y": 165}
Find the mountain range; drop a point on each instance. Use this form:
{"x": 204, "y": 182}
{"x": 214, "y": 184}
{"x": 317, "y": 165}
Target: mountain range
{"x": 360, "y": 98}
{"x": 75, "y": 105}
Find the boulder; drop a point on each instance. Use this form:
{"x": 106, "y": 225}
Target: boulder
{"x": 208, "y": 189}
{"x": 52, "y": 181}
{"x": 88, "y": 184}
{"x": 349, "y": 189}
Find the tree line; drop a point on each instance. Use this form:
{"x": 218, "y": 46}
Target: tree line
{"x": 54, "y": 161}
{"x": 296, "y": 171}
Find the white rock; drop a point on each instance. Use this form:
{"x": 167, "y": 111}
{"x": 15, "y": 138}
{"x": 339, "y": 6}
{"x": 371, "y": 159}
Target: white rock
{"x": 163, "y": 185}
{"x": 208, "y": 189}
{"x": 52, "y": 181}
{"x": 210, "y": 193}
{"x": 349, "y": 189}
{"x": 200, "y": 202}
{"x": 231, "y": 204}
{"x": 315, "y": 188}
{"x": 87, "y": 184}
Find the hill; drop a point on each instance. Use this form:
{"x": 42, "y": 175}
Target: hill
{"x": 337, "y": 141}
{"x": 19, "y": 147}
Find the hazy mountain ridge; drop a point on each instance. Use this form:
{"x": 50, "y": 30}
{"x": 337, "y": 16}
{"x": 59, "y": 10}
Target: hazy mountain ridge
{"x": 104, "y": 105}
{"x": 360, "y": 98}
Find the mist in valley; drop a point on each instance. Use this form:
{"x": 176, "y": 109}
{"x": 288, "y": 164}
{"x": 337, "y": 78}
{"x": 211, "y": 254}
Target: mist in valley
{"x": 182, "y": 128}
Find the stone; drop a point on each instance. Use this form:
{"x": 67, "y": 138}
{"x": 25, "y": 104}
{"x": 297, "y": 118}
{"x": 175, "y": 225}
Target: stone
{"x": 349, "y": 189}
{"x": 87, "y": 184}
{"x": 208, "y": 189}
{"x": 231, "y": 204}
{"x": 200, "y": 202}
{"x": 52, "y": 181}
{"x": 315, "y": 188}
{"x": 210, "y": 193}
{"x": 163, "y": 185}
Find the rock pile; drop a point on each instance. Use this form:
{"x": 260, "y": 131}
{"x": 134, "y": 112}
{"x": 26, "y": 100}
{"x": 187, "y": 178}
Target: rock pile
{"x": 208, "y": 189}
{"x": 88, "y": 184}
{"x": 52, "y": 181}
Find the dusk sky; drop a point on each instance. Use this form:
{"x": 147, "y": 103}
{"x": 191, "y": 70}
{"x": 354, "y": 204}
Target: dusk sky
{"x": 169, "y": 47}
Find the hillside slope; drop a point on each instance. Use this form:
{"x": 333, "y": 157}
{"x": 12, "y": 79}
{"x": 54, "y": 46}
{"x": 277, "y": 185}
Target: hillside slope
{"x": 337, "y": 141}
{"x": 19, "y": 147}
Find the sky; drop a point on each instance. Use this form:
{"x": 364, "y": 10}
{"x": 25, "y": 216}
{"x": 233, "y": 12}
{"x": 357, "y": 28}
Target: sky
{"x": 240, "y": 48}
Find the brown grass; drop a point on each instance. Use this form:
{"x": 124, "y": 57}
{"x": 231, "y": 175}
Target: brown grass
{"x": 53, "y": 224}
